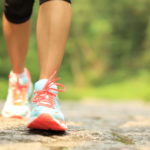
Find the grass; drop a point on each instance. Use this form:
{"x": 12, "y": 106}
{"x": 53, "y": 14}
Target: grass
{"x": 3, "y": 88}
{"x": 135, "y": 88}
{"x": 123, "y": 139}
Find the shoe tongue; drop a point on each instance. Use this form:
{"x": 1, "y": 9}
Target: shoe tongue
{"x": 22, "y": 78}
{"x": 39, "y": 85}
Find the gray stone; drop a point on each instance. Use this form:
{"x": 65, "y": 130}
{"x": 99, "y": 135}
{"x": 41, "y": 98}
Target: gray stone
{"x": 93, "y": 125}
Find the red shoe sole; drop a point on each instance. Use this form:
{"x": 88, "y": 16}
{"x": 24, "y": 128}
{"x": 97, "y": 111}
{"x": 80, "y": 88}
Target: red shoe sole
{"x": 17, "y": 117}
{"x": 46, "y": 122}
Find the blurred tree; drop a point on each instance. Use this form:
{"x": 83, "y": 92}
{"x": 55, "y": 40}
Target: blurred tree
{"x": 105, "y": 36}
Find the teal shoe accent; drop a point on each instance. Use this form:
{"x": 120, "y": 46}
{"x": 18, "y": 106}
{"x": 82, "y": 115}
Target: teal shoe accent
{"x": 55, "y": 112}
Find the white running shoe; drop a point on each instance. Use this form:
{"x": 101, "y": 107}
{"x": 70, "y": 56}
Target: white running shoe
{"x": 19, "y": 92}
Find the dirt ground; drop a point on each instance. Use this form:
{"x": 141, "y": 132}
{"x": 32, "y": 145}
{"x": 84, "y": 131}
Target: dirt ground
{"x": 93, "y": 125}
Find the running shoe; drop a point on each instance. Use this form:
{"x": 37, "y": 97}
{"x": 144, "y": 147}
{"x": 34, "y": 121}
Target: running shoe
{"x": 46, "y": 113}
{"x": 19, "y": 93}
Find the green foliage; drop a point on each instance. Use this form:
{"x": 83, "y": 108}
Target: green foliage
{"x": 108, "y": 48}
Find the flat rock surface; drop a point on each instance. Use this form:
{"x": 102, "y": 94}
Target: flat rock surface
{"x": 93, "y": 125}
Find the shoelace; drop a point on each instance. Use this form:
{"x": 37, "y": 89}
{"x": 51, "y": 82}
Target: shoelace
{"x": 46, "y": 97}
{"x": 16, "y": 86}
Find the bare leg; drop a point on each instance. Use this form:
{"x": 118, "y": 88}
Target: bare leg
{"x": 52, "y": 32}
{"x": 17, "y": 38}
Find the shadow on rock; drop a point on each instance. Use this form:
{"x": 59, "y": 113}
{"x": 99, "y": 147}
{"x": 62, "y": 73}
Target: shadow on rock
{"x": 47, "y": 132}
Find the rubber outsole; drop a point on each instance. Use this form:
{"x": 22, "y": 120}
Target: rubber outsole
{"x": 46, "y": 122}
{"x": 17, "y": 117}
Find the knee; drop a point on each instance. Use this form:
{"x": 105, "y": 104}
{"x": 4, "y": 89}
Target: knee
{"x": 18, "y": 11}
